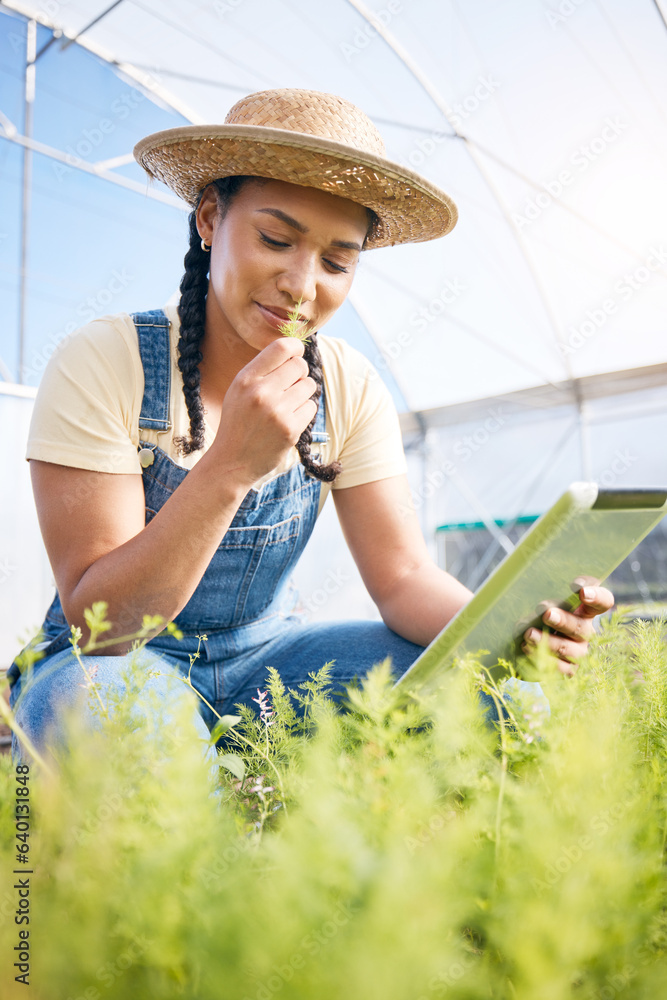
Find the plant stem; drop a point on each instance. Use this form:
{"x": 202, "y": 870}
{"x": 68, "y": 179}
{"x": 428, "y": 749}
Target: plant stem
{"x": 91, "y": 684}
{"x": 501, "y": 787}
{"x": 240, "y": 736}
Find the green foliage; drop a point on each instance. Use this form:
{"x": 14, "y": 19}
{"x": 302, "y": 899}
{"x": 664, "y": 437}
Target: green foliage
{"x": 294, "y": 327}
{"x": 397, "y": 850}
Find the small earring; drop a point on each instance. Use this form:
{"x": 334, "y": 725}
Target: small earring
{"x": 206, "y": 247}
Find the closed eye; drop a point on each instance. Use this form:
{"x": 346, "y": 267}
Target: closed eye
{"x": 336, "y": 267}
{"x": 271, "y": 243}
{"x": 279, "y": 245}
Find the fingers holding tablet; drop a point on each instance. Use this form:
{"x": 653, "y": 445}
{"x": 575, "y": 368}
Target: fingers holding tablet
{"x": 567, "y": 651}
{"x": 594, "y": 601}
{"x": 569, "y": 631}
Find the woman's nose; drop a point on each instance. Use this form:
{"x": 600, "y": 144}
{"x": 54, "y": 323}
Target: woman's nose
{"x": 299, "y": 280}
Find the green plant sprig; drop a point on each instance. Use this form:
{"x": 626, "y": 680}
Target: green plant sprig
{"x": 295, "y": 327}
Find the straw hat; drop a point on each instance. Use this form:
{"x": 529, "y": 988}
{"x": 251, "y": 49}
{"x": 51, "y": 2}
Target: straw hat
{"x": 303, "y": 137}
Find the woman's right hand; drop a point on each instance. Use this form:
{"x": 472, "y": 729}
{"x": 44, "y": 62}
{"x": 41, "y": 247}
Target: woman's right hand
{"x": 265, "y": 410}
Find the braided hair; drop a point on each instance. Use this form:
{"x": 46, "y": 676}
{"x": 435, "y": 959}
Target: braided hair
{"x": 192, "y": 315}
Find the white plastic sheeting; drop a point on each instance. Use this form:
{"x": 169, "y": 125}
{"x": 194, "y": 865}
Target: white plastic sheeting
{"x": 25, "y": 576}
{"x": 545, "y": 121}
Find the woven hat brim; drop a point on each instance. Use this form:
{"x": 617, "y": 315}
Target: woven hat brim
{"x": 410, "y": 208}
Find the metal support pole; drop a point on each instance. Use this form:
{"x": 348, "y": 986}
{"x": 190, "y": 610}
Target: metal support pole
{"x": 585, "y": 438}
{"x": 31, "y": 52}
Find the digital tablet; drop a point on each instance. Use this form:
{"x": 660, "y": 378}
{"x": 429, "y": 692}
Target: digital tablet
{"x": 586, "y": 534}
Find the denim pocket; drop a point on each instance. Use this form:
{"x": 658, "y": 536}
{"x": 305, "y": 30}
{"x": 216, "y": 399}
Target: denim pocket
{"x": 243, "y": 576}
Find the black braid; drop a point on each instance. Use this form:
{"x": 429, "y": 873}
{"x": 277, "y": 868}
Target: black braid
{"x": 326, "y": 473}
{"x": 192, "y": 314}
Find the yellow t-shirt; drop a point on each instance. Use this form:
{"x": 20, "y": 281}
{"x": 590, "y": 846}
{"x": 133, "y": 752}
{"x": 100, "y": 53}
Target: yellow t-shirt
{"x": 87, "y": 409}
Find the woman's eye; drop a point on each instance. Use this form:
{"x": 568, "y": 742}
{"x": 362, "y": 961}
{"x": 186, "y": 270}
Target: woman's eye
{"x": 336, "y": 267}
{"x": 280, "y": 245}
{"x": 271, "y": 243}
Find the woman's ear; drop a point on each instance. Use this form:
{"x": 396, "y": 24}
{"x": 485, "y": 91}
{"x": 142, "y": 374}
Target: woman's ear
{"x": 207, "y": 213}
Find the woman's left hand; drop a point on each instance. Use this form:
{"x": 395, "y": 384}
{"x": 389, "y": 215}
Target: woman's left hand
{"x": 571, "y": 629}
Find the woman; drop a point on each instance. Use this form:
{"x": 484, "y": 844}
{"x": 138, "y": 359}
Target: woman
{"x": 162, "y": 447}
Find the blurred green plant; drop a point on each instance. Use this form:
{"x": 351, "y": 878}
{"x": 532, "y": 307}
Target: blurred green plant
{"x": 402, "y": 848}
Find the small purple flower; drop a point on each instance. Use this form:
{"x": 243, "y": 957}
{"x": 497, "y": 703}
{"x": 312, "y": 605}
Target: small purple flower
{"x": 266, "y": 713}
{"x": 92, "y": 673}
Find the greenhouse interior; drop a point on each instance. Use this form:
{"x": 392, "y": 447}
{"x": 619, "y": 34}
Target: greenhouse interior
{"x": 524, "y": 352}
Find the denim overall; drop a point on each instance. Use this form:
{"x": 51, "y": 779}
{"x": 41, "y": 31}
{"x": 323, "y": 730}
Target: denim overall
{"x": 243, "y": 603}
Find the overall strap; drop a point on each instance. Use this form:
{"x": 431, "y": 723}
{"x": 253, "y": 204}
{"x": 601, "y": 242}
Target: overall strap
{"x": 155, "y": 350}
{"x": 318, "y": 432}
